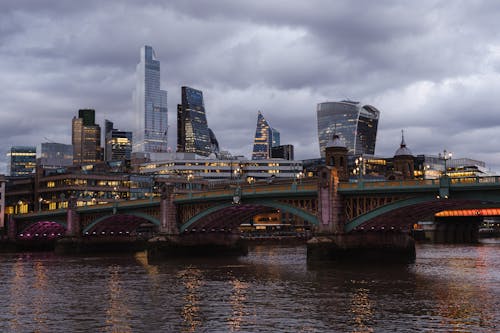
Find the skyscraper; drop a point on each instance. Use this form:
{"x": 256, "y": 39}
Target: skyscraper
{"x": 355, "y": 123}
{"x": 193, "y": 134}
{"x": 118, "y": 144}
{"x": 22, "y": 160}
{"x": 86, "y": 138}
{"x": 263, "y": 139}
{"x": 150, "y": 134}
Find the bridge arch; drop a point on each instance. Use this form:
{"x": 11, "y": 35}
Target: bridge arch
{"x": 42, "y": 230}
{"x": 406, "y": 212}
{"x": 134, "y": 220}
{"x": 251, "y": 207}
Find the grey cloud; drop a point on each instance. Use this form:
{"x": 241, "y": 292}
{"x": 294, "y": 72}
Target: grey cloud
{"x": 281, "y": 57}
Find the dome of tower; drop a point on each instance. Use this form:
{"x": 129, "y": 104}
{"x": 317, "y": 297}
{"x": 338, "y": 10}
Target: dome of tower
{"x": 403, "y": 150}
{"x": 336, "y": 142}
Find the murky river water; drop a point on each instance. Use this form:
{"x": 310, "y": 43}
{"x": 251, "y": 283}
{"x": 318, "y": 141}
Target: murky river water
{"x": 452, "y": 288}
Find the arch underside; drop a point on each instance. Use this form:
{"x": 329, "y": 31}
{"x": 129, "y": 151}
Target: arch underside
{"x": 121, "y": 224}
{"x": 42, "y": 230}
{"x": 405, "y": 213}
{"x": 227, "y": 217}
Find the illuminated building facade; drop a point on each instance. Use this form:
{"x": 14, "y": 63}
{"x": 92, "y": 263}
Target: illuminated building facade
{"x": 355, "y": 123}
{"x": 118, "y": 144}
{"x": 193, "y": 134}
{"x": 86, "y": 138}
{"x": 263, "y": 139}
{"x": 212, "y": 169}
{"x": 22, "y": 160}
{"x": 150, "y": 102}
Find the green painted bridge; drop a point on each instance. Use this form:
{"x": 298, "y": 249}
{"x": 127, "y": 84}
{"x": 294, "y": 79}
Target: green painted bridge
{"x": 347, "y": 207}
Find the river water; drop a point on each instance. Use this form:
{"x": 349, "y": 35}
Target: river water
{"x": 450, "y": 288}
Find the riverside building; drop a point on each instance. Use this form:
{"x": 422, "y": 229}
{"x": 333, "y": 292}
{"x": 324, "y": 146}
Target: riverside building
{"x": 216, "y": 169}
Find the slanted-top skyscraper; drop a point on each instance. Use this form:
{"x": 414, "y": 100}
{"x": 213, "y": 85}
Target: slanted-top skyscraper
{"x": 263, "y": 140}
{"x": 193, "y": 134}
{"x": 150, "y": 134}
{"x": 353, "y": 122}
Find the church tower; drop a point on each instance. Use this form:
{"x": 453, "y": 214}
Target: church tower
{"x": 336, "y": 156}
{"x": 404, "y": 163}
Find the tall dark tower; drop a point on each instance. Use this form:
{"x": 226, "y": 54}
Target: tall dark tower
{"x": 336, "y": 156}
{"x": 86, "y": 138}
{"x": 404, "y": 163}
{"x": 193, "y": 134}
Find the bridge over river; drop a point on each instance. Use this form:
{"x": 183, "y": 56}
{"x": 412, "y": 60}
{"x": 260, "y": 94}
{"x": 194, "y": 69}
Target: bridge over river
{"x": 329, "y": 206}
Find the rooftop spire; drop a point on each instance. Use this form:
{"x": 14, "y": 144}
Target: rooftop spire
{"x": 403, "y": 143}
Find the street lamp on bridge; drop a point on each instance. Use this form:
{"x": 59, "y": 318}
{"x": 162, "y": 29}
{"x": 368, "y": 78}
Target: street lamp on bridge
{"x": 359, "y": 169}
{"x": 445, "y": 156}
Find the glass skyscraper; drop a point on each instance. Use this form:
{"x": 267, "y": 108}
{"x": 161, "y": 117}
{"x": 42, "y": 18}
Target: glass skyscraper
{"x": 275, "y": 134}
{"x": 263, "y": 140}
{"x": 55, "y": 155}
{"x": 193, "y": 134}
{"x": 352, "y": 121}
{"x": 150, "y": 135}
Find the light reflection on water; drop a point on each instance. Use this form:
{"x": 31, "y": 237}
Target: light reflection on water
{"x": 450, "y": 288}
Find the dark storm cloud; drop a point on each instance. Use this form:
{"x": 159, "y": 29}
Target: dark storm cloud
{"x": 431, "y": 67}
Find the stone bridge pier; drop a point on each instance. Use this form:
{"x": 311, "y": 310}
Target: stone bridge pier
{"x": 331, "y": 242}
{"x": 170, "y": 243}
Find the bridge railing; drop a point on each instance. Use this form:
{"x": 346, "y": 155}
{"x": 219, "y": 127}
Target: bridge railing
{"x": 261, "y": 189}
{"x": 389, "y": 184}
{"x": 475, "y": 180}
{"x": 465, "y": 181}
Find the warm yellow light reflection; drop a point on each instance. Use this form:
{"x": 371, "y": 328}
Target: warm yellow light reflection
{"x": 237, "y": 300}
{"x": 16, "y": 296}
{"x": 39, "y": 300}
{"x": 192, "y": 281}
{"x": 118, "y": 314}
{"x": 362, "y": 310}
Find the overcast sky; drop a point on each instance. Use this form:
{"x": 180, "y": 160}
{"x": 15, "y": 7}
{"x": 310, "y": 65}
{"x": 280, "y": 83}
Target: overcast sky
{"x": 430, "y": 67}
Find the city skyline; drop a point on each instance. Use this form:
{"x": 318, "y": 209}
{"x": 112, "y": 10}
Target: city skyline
{"x": 432, "y": 69}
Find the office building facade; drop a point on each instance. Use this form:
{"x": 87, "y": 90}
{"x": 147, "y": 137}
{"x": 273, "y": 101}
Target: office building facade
{"x": 263, "y": 139}
{"x": 22, "y": 160}
{"x": 284, "y": 151}
{"x": 193, "y": 134}
{"x": 118, "y": 144}
{"x": 150, "y": 101}
{"x": 86, "y": 138}
{"x": 55, "y": 155}
{"x": 352, "y": 121}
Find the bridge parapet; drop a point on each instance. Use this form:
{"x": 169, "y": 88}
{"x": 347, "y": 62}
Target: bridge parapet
{"x": 248, "y": 191}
